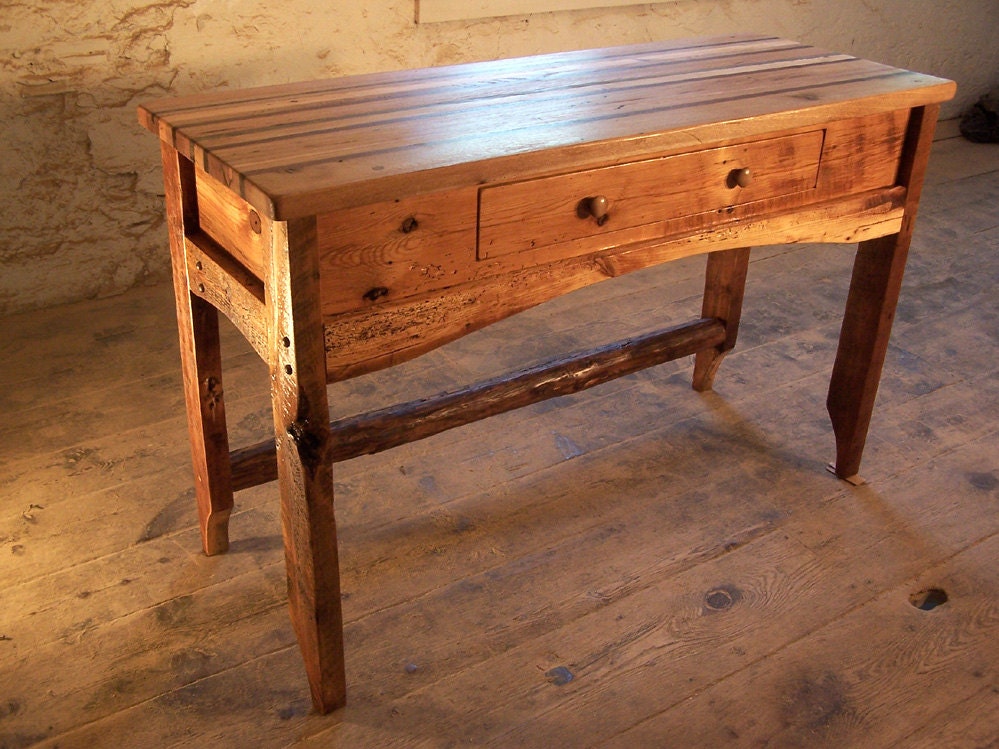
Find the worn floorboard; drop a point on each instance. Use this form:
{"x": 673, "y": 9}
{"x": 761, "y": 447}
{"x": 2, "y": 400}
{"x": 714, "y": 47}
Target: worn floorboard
{"x": 635, "y": 566}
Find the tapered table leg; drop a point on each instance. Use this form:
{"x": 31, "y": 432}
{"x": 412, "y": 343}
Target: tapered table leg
{"x": 870, "y": 308}
{"x": 724, "y": 287}
{"x": 201, "y": 363}
{"x": 302, "y": 431}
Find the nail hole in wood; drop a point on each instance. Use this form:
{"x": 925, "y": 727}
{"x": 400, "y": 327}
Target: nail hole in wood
{"x": 559, "y": 676}
{"x": 198, "y": 265}
{"x": 927, "y": 600}
{"x": 376, "y": 293}
{"x": 288, "y": 369}
{"x": 201, "y": 288}
{"x": 286, "y": 341}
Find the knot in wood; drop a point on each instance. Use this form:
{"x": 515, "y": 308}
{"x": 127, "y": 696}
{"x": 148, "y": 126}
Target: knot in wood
{"x": 311, "y": 443}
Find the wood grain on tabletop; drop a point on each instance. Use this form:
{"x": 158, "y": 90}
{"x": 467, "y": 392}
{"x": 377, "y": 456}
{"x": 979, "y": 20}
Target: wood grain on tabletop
{"x": 298, "y": 149}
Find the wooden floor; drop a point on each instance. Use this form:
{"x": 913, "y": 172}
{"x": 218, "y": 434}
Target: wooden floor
{"x": 636, "y": 566}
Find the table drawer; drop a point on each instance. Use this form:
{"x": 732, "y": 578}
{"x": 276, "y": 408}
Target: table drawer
{"x": 560, "y": 212}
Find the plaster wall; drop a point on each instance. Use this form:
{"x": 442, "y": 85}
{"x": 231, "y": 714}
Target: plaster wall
{"x": 82, "y": 211}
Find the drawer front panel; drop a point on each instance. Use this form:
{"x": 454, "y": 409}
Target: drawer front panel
{"x": 552, "y": 211}
{"x": 380, "y": 253}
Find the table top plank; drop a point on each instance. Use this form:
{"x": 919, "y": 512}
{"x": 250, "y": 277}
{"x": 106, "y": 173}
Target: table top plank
{"x": 474, "y": 84}
{"x": 532, "y": 121}
{"x": 315, "y": 113}
{"x": 299, "y": 149}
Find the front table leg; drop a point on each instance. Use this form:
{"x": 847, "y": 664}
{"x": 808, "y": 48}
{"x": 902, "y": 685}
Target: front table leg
{"x": 870, "y": 308}
{"x": 863, "y": 343}
{"x": 302, "y": 432}
{"x": 724, "y": 286}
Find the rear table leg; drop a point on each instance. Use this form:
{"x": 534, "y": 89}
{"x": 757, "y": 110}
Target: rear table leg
{"x": 724, "y": 286}
{"x": 201, "y": 363}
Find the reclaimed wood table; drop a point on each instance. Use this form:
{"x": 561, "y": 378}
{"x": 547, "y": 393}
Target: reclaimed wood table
{"x": 347, "y": 225}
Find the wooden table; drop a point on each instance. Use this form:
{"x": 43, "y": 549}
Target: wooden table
{"x": 347, "y": 225}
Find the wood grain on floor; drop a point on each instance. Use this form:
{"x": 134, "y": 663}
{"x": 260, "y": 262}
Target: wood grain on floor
{"x": 635, "y": 566}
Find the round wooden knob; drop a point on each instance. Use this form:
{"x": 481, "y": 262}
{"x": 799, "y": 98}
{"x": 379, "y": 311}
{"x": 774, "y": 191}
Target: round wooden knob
{"x": 598, "y": 207}
{"x": 742, "y": 177}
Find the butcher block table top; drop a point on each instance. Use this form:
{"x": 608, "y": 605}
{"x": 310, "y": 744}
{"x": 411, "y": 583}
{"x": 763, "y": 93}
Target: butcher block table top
{"x": 349, "y": 224}
{"x": 298, "y": 149}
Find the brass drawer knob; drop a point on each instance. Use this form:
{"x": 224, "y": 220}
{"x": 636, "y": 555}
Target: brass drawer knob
{"x": 740, "y": 177}
{"x": 597, "y": 206}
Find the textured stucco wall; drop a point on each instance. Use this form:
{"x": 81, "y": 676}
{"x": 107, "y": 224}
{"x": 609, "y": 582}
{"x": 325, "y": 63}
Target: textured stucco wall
{"x": 82, "y": 209}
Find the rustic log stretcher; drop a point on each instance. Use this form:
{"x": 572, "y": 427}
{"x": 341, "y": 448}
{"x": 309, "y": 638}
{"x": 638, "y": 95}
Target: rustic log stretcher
{"x": 347, "y": 225}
